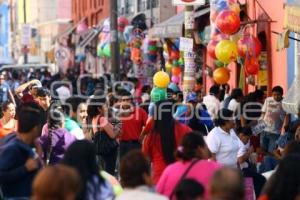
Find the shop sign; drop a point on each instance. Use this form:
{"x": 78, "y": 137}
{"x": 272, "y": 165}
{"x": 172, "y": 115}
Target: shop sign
{"x": 188, "y": 2}
{"x": 186, "y": 44}
{"x": 26, "y": 34}
{"x": 292, "y": 18}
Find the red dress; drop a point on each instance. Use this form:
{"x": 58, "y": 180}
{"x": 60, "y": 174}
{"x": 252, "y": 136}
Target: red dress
{"x": 152, "y": 148}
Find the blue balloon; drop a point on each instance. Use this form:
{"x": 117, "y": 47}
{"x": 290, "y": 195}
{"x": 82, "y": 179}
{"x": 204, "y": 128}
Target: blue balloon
{"x": 221, "y": 5}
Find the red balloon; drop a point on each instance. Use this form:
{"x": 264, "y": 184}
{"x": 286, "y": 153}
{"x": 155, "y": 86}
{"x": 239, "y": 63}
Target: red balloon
{"x": 122, "y": 22}
{"x": 228, "y": 22}
{"x": 249, "y": 45}
{"x": 174, "y": 55}
{"x": 251, "y": 65}
{"x": 176, "y": 71}
{"x": 211, "y": 48}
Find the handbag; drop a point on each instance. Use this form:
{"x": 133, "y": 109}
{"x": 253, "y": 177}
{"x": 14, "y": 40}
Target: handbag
{"x": 182, "y": 177}
{"x": 103, "y": 143}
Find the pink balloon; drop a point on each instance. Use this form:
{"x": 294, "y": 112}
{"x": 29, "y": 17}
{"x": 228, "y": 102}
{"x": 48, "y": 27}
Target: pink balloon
{"x": 175, "y": 79}
{"x": 81, "y": 28}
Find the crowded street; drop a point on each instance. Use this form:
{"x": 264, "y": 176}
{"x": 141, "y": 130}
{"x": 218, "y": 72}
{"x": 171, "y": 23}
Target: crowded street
{"x": 149, "y": 100}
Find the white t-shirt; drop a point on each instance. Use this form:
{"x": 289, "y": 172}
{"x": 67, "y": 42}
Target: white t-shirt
{"x": 63, "y": 93}
{"x": 233, "y": 105}
{"x": 224, "y": 145}
{"x": 274, "y": 115}
{"x": 243, "y": 148}
{"x": 140, "y": 193}
{"x": 213, "y": 105}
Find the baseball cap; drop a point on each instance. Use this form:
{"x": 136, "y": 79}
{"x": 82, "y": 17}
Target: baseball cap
{"x": 191, "y": 97}
{"x": 36, "y": 85}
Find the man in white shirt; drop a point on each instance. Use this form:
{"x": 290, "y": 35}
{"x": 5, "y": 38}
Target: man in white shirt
{"x": 212, "y": 102}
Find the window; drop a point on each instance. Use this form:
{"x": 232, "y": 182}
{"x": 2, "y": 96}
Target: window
{"x": 142, "y": 5}
{"x": 297, "y": 55}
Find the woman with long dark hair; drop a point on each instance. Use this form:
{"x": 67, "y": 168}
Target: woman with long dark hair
{"x": 56, "y": 139}
{"x": 192, "y": 149}
{"x": 100, "y": 125}
{"x": 82, "y": 156}
{"x": 162, "y": 141}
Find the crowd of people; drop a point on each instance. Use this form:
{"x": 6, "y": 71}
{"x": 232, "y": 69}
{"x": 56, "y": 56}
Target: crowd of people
{"x": 63, "y": 139}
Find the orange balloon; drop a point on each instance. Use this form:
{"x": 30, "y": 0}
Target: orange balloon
{"x": 176, "y": 71}
{"x": 221, "y": 75}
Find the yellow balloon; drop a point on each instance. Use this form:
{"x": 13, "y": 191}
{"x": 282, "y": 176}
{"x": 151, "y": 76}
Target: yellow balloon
{"x": 161, "y": 79}
{"x": 236, "y": 8}
{"x": 165, "y": 47}
{"x": 168, "y": 67}
{"x": 226, "y": 51}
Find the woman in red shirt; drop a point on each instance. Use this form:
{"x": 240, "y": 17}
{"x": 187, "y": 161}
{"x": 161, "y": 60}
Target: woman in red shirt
{"x": 161, "y": 143}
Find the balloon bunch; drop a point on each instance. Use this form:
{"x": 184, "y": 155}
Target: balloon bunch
{"x": 103, "y": 48}
{"x": 174, "y": 59}
{"x": 152, "y": 50}
{"x": 249, "y": 48}
{"x": 135, "y": 44}
{"x": 161, "y": 81}
{"x": 225, "y": 21}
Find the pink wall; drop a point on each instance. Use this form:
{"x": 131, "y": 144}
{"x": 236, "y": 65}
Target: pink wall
{"x": 64, "y": 10}
{"x": 278, "y": 58}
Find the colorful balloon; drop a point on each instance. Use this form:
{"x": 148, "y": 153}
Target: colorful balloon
{"x": 122, "y": 23}
{"x": 221, "y": 5}
{"x": 235, "y": 8}
{"x": 106, "y": 50}
{"x": 228, "y": 22}
{"x": 211, "y": 47}
{"x": 174, "y": 55}
{"x": 249, "y": 45}
{"x": 161, "y": 79}
{"x": 175, "y": 79}
{"x": 219, "y": 63}
{"x": 226, "y": 51}
{"x": 251, "y": 65}
{"x": 221, "y": 75}
{"x": 168, "y": 66}
{"x": 176, "y": 71}
{"x": 158, "y": 94}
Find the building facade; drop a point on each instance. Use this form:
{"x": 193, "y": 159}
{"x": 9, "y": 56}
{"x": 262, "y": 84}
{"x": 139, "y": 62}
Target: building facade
{"x": 158, "y": 10}
{"x": 5, "y": 50}
{"x": 94, "y": 11}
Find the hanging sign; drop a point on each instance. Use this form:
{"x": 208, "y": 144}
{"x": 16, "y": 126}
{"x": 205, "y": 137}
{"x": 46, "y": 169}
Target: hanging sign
{"x": 189, "y": 19}
{"x": 186, "y": 44}
{"x": 292, "y": 18}
{"x": 188, "y": 2}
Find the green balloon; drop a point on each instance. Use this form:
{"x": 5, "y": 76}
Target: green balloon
{"x": 158, "y": 94}
{"x": 175, "y": 63}
{"x": 219, "y": 63}
{"x": 100, "y": 52}
{"x": 152, "y": 48}
{"x": 106, "y": 50}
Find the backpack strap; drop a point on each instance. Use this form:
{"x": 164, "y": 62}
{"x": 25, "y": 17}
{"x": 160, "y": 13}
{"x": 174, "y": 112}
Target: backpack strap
{"x": 183, "y": 177}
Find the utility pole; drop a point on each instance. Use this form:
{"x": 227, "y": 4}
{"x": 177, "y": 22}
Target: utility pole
{"x": 189, "y": 57}
{"x": 25, "y": 21}
{"x": 114, "y": 40}
{"x": 151, "y": 13}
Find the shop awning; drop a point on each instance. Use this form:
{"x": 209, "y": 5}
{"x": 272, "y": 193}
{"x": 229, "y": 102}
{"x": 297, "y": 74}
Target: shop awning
{"x": 92, "y": 33}
{"x": 173, "y": 27}
{"x": 69, "y": 30}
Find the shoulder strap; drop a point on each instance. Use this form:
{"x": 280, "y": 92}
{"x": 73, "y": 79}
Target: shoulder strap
{"x": 183, "y": 177}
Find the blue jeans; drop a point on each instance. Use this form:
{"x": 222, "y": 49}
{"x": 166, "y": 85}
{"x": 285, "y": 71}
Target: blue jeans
{"x": 268, "y": 141}
{"x": 269, "y": 163}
